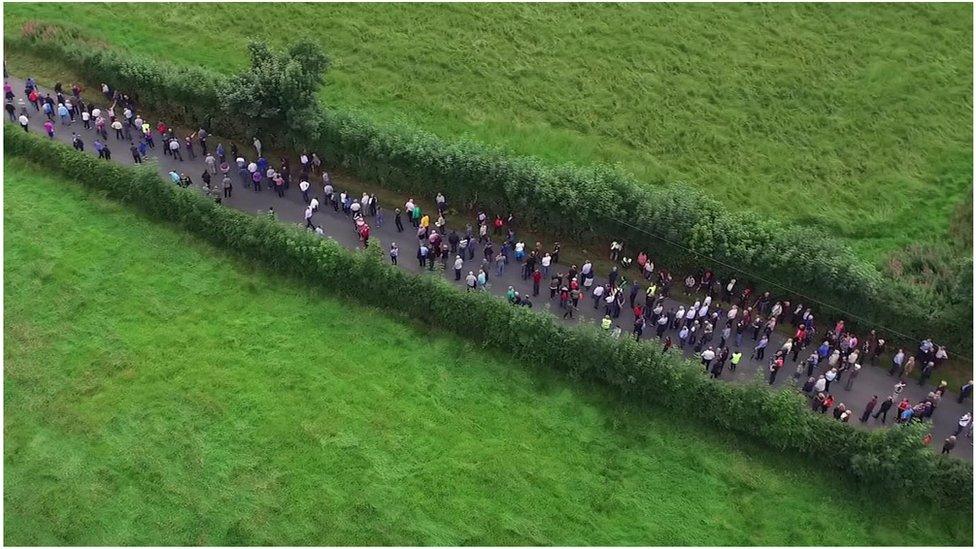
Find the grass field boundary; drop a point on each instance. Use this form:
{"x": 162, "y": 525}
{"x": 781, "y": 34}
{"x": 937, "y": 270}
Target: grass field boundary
{"x": 678, "y": 225}
{"x": 893, "y": 459}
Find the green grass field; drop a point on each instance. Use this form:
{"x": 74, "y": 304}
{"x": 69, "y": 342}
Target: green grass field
{"x": 856, "y": 119}
{"x": 157, "y": 391}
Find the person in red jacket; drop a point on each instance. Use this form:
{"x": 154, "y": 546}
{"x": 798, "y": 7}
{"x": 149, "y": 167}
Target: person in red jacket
{"x": 536, "y": 280}
{"x": 498, "y": 223}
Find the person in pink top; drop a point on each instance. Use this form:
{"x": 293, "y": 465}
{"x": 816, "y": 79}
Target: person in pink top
{"x": 49, "y": 128}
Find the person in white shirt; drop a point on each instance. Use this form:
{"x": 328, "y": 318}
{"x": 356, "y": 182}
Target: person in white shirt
{"x": 546, "y": 262}
{"x": 408, "y": 207}
{"x": 303, "y": 186}
{"x": 597, "y": 294}
{"x": 314, "y": 204}
{"x": 308, "y": 218}
{"x": 830, "y": 376}
{"x": 24, "y": 121}
{"x": 706, "y": 357}
{"x": 96, "y": 112}
{"x": 821, "y": 385}
{"x": 964, "y": 422}
{"x": 174, "y": 147}
{"x": 458, "y": 263}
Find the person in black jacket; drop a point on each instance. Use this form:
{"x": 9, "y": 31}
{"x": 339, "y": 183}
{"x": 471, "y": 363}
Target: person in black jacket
{"x": 883, "y": 410}
{"x": 965, "y": 391}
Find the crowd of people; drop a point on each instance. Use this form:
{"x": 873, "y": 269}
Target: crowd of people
{"x": 725, "y": 323}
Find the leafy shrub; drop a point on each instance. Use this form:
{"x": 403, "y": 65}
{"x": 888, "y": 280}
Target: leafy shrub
{"x": 891, "y": 459}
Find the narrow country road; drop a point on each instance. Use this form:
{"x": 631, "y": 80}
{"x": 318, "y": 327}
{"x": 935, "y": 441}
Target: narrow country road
{"x": 290, "y": 208}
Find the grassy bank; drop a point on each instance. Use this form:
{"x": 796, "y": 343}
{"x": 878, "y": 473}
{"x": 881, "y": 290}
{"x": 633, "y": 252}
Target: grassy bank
{"x": 841, "y": 117}
{"x": 157, "y": 391}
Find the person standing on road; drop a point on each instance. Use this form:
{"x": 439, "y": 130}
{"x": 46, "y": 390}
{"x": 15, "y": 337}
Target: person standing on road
{"x": 394, "y": 253}
{"x": 24, "y": 121}
{"x": 965, "y": 391}
{"x": 77, "y": 143}
{"x": 964, "y": 422}
{"x": 868, "y": 408}
{"x": 458, "y": 264}
{"x": 774, "y": 368}
{"x": 228, "y": 187}
{"x": 760, "y": 350}
{"x": 949, "y": 444}
{"x": 851, "y": 376}
{"x": 706, "y": 358}
{"x": 883, "y": 410}
{"x": 136, "y": 156}
{"x": 174, "y": 150}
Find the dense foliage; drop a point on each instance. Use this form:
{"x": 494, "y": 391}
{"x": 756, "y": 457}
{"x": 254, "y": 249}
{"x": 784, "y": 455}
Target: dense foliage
{"x": 894, "y": 460}
{"x": 278, "y": 91}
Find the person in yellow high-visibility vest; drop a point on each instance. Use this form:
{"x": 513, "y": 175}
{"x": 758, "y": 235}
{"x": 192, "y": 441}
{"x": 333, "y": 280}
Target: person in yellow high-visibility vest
{"x": 606, "y": 323}
{"x": 651, "y": 290}
{"x": 734, "y": 361}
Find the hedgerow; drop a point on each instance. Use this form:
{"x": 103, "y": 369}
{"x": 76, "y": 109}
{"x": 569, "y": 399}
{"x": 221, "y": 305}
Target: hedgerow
{"x": 569, "y": 200}
{"x": 893, "y": 459}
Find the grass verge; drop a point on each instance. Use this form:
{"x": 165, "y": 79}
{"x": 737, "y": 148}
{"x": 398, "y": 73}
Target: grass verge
{"x": 159, "y": 392}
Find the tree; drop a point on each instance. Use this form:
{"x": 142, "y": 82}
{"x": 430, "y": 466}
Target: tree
{"x": 275, "y": 97}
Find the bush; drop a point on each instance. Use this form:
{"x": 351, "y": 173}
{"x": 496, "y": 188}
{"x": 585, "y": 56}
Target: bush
{"x": 678, "y": 226}
{"x": 891, "y": 459}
